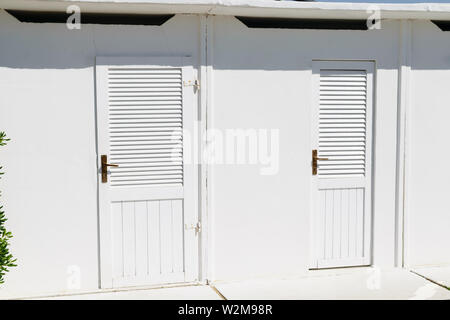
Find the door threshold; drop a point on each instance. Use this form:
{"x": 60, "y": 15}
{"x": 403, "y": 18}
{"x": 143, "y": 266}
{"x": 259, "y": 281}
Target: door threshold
{"x": 338, "y": 270}
{"x": 341, "y": 267}
{"x": 110, "y": 290}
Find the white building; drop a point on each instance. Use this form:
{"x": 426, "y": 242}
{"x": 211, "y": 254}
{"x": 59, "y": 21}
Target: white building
{"x": 373, "y": 100}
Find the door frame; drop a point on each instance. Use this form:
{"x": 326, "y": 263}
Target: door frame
{"x": 191, "y": 251}
{"x": 316, "y": 65}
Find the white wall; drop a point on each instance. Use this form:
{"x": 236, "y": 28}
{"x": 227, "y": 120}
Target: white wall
{"x": 47, "y": 108}
{"x": 262, "y": 79}
{"x": 428, "y": 152}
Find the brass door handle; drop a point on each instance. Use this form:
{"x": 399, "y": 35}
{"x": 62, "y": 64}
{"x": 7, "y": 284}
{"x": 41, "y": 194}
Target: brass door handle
{"x": 105, "y": 165}
{"x": 315, "y": 158}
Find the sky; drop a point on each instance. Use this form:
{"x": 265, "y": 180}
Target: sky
{"x": 389, "y": 1}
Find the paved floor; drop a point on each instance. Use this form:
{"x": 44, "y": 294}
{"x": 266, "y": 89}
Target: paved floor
{"x": 371, "y": 283}
{"x": 364, "y": 283}
{"x": 440, "y": 275}
{"x": 172, "y": 293}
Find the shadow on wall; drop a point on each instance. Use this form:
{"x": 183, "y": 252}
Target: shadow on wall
{"x": 54, "y": 46}
{"x": 239, "y": 47}
{"x": 49, "y": 45}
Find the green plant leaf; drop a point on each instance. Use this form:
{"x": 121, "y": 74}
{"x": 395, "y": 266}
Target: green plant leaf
{"x": 6, "y": 258}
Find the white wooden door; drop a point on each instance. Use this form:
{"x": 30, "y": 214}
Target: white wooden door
{"x": 148, "y": 203}
{"x": 341, "y": 187}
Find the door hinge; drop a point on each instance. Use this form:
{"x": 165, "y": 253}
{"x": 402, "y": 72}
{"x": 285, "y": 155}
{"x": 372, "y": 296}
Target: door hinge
{"x": 197, "y": 227}
{"x": 190, "y": 83}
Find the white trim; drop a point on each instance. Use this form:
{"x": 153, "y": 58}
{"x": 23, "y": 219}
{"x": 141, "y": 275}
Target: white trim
{"x": 190, "y": 184}
{"x": 203, "y": 71}
{"x": 164, "y": 61}
{"x": 403, "y": 147}
{"x": 366, "y": 182}
{"x": 104, "y": 221}
{"x": 209, "y": 123}
{"x": 314, "y": 74}
{"x": 189, "y": 191}
{"x": 261, "y": 8}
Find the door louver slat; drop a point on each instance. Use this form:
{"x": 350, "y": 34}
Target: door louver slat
{"x": 145, "y": 126}
{"x": 342, "y": 122}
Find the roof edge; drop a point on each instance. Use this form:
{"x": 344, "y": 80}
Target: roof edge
{"x": 257, "y": 8}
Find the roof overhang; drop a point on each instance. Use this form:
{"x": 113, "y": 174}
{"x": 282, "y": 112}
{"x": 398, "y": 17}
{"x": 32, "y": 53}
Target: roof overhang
{"x": 254, "y": 8}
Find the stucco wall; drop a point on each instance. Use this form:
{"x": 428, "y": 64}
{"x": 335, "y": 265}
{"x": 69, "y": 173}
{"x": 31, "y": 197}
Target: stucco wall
{"x": 262, "y": 79}
{"x": 47, "y": 108}
{"x": 428, "y": 190}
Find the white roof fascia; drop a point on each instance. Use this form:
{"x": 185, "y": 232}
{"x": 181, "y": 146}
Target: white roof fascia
{"x": 256, "y": 8}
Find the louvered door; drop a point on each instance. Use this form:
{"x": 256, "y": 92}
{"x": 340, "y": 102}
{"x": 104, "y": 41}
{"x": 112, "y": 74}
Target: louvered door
{"x": 341, "y": 187}
{"x": 143, "y": 114}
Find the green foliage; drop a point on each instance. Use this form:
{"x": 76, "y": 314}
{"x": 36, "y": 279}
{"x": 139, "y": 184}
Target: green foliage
{"x": 6, "y": 259}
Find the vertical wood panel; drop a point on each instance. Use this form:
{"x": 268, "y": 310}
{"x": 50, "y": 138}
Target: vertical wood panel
{"x": 360, "y": 222}
{"x": 154, "y": 239}
{"x": 336, "y": 224}
{"x": 329, "y": 224}
{"x": 141, "y": 238}
{"x": 352, "y": 223}
{"x": 344, "y": 223}
{"x": 340, "y": 224}
{"x": 177, "y": 232}
{"x": 320, "y": 236}
{"x": 129, "y": 240}
{"x": 116, "y": 212}
{"x": 165, "y": 216}
{"x": 148, "y": 239}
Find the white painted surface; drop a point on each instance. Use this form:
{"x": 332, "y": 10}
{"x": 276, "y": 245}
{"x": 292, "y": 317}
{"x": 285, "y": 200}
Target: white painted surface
{"x": 439, "y": 275}
{"x": 48, "y": 109}
{"x": 175, "y": 293}
{"x": 267, "y": 82}
{"x": 143, "y": 108}
{"x": 316, "y": 9}
{"x": 427, "y": 188}
{"x": 258, "y": 225}
{"x": 353, "y": 283}
{"x": 342, "y": 109}
{"x": 364, "y": 284}
{"x": 404, "y": 106}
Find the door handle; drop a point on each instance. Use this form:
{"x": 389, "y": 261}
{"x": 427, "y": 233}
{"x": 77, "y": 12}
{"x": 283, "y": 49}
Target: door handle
{"x": 105, "y": 165}
{"x": 315, "y": 158}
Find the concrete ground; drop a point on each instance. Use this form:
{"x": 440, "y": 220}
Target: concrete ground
{"x": 363, "y": 283}
{"x": 188, "y": 292}
{"x": 438, "y": 275}
{"x": 370, "y": 283}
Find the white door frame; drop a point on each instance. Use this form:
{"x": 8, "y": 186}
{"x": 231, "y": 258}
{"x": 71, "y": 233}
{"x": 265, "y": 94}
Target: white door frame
{"x": 369, "y": 66}
{"x": 190, "y": 195}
